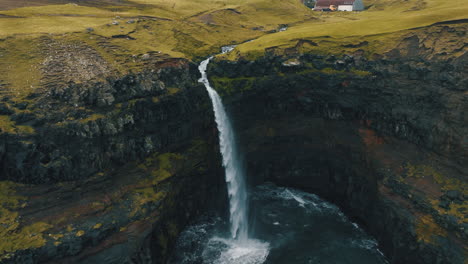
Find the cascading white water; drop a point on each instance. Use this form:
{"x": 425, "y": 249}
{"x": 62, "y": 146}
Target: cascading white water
{"x": 233, "y": 168}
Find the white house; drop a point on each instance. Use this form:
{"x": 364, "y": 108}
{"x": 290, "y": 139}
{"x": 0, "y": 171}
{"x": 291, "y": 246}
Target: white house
{"x": 339, "y": 5}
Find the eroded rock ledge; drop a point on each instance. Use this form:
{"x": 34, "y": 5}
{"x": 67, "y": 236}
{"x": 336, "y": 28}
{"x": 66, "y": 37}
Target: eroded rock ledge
{"x": 108, "y": 175}
{"x": 382, "y": 135}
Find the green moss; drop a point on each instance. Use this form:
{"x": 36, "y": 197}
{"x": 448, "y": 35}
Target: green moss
{"x": 80, "y": 233}
{"x": 228, "y": 86}
{"x": 15, "y": 235}
{"x": 25, "y": 130}
{"x": 160, "y": 167}
{"x": 173, "y": 90}
{"x": 446, "y": 183}
{"x": 143, "y": 196}
{"x": 330, "y": 71}
{"x": 456, "y": 210}
{"x": 360, "y": 73}
{"x": 427, "y": 229}
{"x": 9, "y": 126}
{"x": 6, "y": 125}
{"x": 92, "y": 117}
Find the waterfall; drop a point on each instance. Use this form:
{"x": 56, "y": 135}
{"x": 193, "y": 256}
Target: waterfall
{"x": 235, "y": 178}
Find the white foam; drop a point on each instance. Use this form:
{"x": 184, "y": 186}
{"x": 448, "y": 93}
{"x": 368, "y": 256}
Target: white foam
{"x": 297, "y": 198}
{"x": 227, "y": 49}
{"x": 251, "y": 251}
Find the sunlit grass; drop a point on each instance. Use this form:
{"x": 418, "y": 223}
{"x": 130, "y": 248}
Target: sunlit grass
{"x": 384, "y": 17}
{"x": 196, "y": 29}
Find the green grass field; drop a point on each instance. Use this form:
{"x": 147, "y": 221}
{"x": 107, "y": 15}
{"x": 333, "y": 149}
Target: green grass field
{"x": 381, "y": 18}
{"x": 194, "y": 29}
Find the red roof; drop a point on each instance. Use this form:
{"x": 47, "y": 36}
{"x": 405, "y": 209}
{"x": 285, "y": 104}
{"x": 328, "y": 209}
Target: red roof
{"x": 327, "y": 3}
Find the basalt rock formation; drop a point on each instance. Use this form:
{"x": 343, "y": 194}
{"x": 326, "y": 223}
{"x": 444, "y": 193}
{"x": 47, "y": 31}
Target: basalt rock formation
{"x": 382, "y": 135}
{"x": 107, "y": 171}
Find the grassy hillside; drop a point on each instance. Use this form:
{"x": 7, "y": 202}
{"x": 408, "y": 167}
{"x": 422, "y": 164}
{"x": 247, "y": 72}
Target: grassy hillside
{"x": 119, "y": 33}
{"x": 382, "y": 21}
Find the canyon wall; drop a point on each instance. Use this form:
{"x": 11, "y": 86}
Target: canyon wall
{"x": 383, "y": 136}
{"x": 108, "y": 172}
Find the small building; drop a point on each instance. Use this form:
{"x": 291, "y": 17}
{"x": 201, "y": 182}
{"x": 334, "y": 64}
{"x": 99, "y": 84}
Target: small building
{"x": 339, "y": 5}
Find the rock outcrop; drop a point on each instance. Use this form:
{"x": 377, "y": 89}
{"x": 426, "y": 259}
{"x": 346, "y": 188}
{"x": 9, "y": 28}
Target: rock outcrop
{"x": 108, "y": 172}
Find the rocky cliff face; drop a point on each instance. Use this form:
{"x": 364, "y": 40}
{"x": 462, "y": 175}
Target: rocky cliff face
{"x": 108, "y": 172}
{"x": 383, "y": 135}
{"x": 77, "y": 130}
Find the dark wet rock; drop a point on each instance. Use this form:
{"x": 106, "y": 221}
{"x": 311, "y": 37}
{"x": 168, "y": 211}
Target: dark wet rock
{"x": 71, "y": 142}
{"x": 453, "y": 194}
{"x": 444, "y": 204}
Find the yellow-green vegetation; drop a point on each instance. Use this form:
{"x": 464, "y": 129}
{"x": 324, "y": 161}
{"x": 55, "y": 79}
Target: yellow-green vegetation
{"x": 70, "y": 228}
{"x": 54, "y": 45}
{"x": 230, "y": 85}
{"x": 92, "y": 117}
{"x": 331, "y": 71}
{"x": 119, "y": 35}
{"x": 160, "y": 167}
{"x": 20, "y": 61}
{"x": 56, "y": 236}
{"x": 360, "y": 72}
{"x": 455, "y": 209}
{"x": 446, "y": 183}
{"x": 9, "y": 126}
{"x": 427, "y": 229}
{"x": 173, "y": 90}
{"x": 332, "y": 30}
{"x": 6, "y": 125}
{"x": 80, "y": 233}
{"x": 15, "y": 235}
